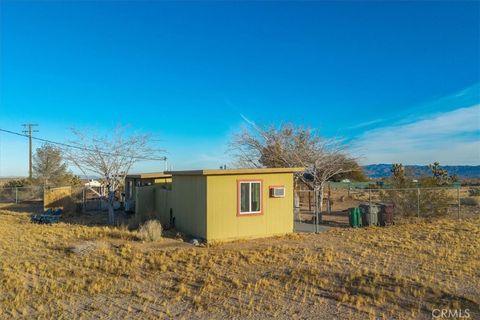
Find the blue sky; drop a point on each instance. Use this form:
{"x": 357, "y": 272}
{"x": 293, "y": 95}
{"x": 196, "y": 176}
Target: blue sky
{"x": 386, "y": 77}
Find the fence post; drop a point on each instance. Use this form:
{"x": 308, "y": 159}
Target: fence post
{"x": 418, "y": 202}
{"x": 296, "y": 206}
{"x": 83, "y": 201}
{"x": 369, "y": 198}
{"x": 16, "y": 195}
{"x": 458, "y": 202}
{"x": 44, "y": 194}
{"x": 310, "y": 201}
{"x": 329, "y": 208}
{"x": 316, "y": 209}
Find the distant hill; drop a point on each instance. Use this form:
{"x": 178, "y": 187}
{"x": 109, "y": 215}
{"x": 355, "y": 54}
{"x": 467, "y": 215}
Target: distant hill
{"x": 383, "y": 170}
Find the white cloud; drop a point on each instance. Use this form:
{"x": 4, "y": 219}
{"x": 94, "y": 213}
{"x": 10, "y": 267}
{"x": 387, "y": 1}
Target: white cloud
{"x": 451, "y": 138}
{"x": 365, "y": 124}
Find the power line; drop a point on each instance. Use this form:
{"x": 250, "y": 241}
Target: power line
{"x": 78, "y": 147}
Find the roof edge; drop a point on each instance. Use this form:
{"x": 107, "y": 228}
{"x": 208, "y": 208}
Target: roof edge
{"x": 218, "y": 172}
{"x": 151, "y": 175}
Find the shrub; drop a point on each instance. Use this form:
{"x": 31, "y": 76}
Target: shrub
{"x": 18, "y": 183}
{"x": 469, "y": 201}
{"x": 83, "y": 247}
{"x": 474, "y": 192}
{"x": 433, "y": 202}
{"x": 150, "y": 231}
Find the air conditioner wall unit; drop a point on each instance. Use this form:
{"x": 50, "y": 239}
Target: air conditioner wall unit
{"x": 277, "y": 191}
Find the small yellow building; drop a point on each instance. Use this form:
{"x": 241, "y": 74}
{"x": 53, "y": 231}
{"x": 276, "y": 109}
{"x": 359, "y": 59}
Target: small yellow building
{"x": 220, "y": 205}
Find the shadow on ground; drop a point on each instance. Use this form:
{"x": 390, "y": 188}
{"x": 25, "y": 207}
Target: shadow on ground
{"x": 24, "y": 207}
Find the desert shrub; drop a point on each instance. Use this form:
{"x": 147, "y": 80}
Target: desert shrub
{"x": 83, "y": 247}
{"x": 433, "y": 202}
{"x": 474, "y": 192}
{"x": 405, "y": 201}
{"x": 18, "y": 183}
{"x": 469, "y": 202}
{"x": 150, "y": 231}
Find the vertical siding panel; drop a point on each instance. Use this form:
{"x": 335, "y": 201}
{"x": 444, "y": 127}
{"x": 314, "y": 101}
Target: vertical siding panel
{"x": 189, "y": 204}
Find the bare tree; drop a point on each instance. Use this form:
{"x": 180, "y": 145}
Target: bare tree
{"x": 293, "y": 146}
{"x": 111, "y": 157}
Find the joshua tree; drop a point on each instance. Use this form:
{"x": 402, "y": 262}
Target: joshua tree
{"x": 398, "y": 174}
{"x": 440, "y": 175}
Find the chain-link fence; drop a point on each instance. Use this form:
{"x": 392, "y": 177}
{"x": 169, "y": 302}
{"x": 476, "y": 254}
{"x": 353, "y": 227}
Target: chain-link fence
{"x": 21, "y": 194}
{"x": 24, "y": 199}
{"x": 409, "y": 204}
{"x": 36, "y": 198}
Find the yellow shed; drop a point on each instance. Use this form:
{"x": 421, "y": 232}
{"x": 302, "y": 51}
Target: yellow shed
{"x": 219, "y": 205}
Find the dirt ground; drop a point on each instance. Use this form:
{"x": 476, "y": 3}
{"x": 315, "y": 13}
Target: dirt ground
{"x": 75, "y": 271}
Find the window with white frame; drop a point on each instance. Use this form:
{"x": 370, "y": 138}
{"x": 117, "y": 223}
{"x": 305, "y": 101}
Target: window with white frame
{"x": 250, "y": 197}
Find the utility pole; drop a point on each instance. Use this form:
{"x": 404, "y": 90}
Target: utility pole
{"x": 28, "y": 131}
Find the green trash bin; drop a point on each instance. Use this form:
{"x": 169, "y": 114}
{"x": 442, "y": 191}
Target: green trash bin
{"x": 359, "y": 218}
{"x": 355, "y": 218}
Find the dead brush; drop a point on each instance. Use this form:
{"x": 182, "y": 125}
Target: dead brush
{"x": 84, "y": 247}
{"x": 150, "y": 231}
{"x": 373, "y": 273}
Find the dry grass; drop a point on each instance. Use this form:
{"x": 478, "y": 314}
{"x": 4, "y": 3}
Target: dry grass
{"x": 75, "y": 271}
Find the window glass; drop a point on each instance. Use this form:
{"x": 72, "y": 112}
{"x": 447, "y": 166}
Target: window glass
{"x": 244, "y": 197}
{"x": 255, "y": 197}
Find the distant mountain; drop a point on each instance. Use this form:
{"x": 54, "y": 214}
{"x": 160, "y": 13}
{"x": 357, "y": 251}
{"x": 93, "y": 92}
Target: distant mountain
{"x": 383, "y": 170}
